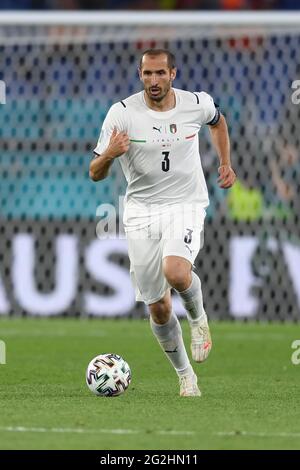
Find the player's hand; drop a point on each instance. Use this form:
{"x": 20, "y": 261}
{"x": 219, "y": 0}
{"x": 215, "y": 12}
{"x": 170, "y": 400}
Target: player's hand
{"x": 227, "y": 176}
{"x": 118, "y": 144}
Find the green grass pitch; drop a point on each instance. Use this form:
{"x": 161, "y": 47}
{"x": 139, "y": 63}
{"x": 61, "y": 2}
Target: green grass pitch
{"x": 250, "y": 388}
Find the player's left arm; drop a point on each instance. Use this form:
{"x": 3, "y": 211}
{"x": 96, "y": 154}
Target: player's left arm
{"x": 220, "y": 139}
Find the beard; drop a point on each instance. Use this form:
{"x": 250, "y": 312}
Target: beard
{"x": 157, "y": 93}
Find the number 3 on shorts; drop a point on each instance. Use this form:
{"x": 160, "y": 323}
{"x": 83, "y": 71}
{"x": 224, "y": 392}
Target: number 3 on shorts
{"x": 188, "y": 236}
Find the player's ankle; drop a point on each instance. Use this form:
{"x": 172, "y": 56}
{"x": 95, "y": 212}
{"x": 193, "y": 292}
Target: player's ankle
{"x": 198, "y": 321}
{"x": 187, "y": 371}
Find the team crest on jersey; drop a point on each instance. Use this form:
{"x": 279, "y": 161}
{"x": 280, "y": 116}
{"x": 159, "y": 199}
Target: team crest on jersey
{"x": 173, "y": 128}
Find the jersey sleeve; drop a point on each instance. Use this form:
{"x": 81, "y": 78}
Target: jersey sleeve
{"x": 114, "y": 118}
{"x": 210, "y": 113}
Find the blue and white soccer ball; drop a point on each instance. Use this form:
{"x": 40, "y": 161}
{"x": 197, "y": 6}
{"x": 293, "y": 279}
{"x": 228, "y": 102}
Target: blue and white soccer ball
{"x": 108, "y": 375}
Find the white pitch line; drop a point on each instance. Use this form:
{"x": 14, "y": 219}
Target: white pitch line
{"x": 258, "y": 434}
{"x": 28, "y": 334}
{"x": 252, "y": 336}
{"x": 175, "y": 433}
{"x": 88, "y": 431}
{"x": 67, "y": 430}
{"x": 132, "y": 431}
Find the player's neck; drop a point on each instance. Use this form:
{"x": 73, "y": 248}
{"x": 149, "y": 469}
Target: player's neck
{"x": 167, "y": 103}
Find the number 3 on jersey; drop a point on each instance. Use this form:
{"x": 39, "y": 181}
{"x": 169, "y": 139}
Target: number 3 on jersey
{"x": 165, "y": 164}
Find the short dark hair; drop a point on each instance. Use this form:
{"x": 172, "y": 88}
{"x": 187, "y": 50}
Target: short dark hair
{"x": 155, "y": 52}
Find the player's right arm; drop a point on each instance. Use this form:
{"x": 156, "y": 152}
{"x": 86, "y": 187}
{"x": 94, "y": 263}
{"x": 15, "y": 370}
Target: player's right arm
{"x": 100, "y": 165}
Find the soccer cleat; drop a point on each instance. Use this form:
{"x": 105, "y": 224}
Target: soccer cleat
{"x": 201, "y": 342}
{"x": 188, "y": 386}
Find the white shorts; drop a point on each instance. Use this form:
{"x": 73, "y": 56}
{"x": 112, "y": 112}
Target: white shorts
{"x": 174, "y": 234}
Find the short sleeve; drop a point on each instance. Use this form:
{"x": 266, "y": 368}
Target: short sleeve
{"x": 210, "y": 114}
{"x": 114, "y": 118}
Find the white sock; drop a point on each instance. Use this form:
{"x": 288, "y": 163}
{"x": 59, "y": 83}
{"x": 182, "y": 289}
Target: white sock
{"x": 169, "y": 336}
{"x": 193, "y": 301}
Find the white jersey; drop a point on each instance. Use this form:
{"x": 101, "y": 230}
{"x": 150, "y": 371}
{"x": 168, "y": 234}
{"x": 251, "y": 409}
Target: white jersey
{"x": 162, "y": 166}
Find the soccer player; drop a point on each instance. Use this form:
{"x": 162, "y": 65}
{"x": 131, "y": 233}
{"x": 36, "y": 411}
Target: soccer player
{"x": 154, "y": 135}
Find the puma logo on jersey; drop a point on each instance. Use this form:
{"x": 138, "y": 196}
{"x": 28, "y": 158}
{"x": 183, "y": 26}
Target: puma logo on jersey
{"x": 157, "y": 128}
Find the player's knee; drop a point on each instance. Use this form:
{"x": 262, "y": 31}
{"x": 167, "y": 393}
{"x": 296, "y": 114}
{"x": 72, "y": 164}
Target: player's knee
{"x": 159, "y": 317}
{"x": 179, "y": 279}
{"x": 160, "y": 311}
{"x": 177, "y": 272}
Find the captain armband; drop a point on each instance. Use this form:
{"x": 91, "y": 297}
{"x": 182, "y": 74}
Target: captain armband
{"x": 216, "y": 118}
